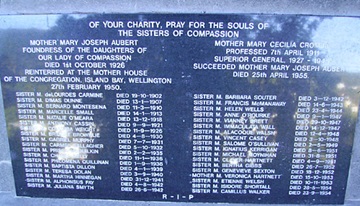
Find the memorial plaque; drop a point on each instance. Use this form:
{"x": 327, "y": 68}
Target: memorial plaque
{"x": 181, "y": 107}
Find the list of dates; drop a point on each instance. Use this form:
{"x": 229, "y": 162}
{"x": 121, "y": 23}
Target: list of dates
{"x": 180, "y": 108}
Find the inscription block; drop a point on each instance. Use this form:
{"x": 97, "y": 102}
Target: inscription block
{"x": 181, "y": 107}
